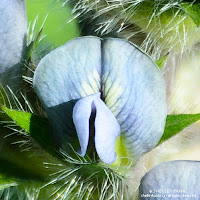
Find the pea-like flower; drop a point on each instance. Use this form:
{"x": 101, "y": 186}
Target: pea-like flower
{"x": 103, "y": 97}
{"x": 97, "y": 90}
{"x": 12, "y": 41}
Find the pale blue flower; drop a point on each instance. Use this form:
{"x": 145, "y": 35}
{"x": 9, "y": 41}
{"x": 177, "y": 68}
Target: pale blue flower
{"x": 12, "y": 41}
{"x": 102, "y": 89}
{"x": 171, "y": 180}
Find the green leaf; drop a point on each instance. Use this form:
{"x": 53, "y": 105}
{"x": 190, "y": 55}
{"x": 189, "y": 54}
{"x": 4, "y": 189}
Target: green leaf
{"x": 193, "y": 10}
{"x": 36, "y": 126}
{"x": 12, "y": 171}
{"x": 6, "y": 182}
{"x": 161, "y": 61}
{"x": 176, "y": 123}
{"x": 41, "y": 177}
{"x": 20, "y": 118}
{"x": 31, "y": 47}
{"x": 21, "y": 158}
{"x": 57, "y": 28}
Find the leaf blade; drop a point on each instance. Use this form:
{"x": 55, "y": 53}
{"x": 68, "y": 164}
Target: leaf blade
{"x": 176, "y": 123}
{"x": 37, "y": 127}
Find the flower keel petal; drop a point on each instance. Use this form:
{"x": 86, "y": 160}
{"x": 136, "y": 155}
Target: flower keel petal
{"x": 81, "y": 116}
{"x": 106, "y": 127}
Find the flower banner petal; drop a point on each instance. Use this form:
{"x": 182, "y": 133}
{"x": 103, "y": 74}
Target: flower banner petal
{"x": 134, "y": 90}
{"x": 171, "y": 180}
{"x": 12, "y": 41}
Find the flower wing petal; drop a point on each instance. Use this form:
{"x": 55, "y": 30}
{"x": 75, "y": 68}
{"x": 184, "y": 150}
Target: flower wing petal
{"x": 134, "y": 90}
{"x": 81, "y": 115}
{"x": 172, "y": 178}
{"x": 12, "y": 41}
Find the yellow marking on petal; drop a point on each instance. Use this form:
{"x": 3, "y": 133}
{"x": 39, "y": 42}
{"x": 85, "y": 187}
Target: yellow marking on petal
{"x": 107, "y": 82}
{"x": 107, "y": 87}
{"x": 88, "y": 90}
{"x": 96, "y": 76}
{"x": 114, "y": 93}
{"x": 94, "y": 80}
{"x": 94, "y": 85}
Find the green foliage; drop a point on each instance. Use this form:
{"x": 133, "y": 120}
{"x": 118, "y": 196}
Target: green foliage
{"x": 56, "y": 27}
{"x": 36, "y": 126}
{"x": 161, "y": 61}
{"x": 6, "y": 182}
{"x": 176, "y": 123}
{"x": 193, "y": 10}
{"x": 31, "y": 46}
{"x": 20, "y": 118}
{"x": 54, "y": 176}
{"x": 12, "y": 171}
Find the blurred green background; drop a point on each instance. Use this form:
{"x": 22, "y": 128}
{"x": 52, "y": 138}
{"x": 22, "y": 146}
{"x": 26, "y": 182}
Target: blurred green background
{"x": 57, "y": 28}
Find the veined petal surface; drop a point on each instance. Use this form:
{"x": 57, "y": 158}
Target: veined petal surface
{"x": 134, "y": 90}
{"x": 130, "y": 84}
{"x": 176, "y": 180}
{"x": 69, "y": 72}
{"x": 12, "y": 41}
